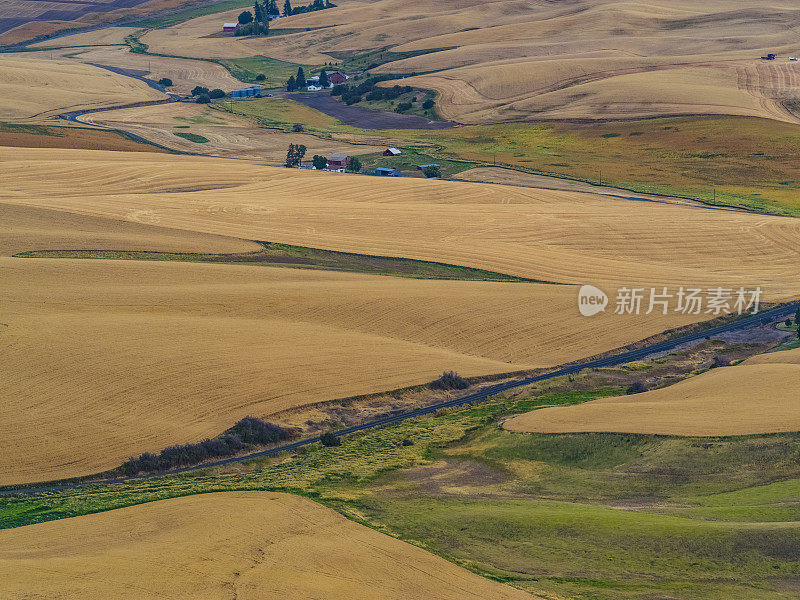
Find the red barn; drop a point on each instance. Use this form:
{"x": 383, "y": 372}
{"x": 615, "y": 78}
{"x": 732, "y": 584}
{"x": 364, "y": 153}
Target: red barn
{"x": 338, "y": 161}
{"x": 229, "y": 27}
{"x": 337, "y": 77}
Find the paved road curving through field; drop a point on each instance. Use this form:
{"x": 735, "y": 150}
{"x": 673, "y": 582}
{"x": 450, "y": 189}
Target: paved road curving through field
{"x": 780, "y": 312}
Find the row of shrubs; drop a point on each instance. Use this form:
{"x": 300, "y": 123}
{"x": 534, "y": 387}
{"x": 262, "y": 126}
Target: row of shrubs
{"x": 247, "y": 433}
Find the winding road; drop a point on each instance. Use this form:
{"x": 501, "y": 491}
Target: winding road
{"x": 773, "y": 314}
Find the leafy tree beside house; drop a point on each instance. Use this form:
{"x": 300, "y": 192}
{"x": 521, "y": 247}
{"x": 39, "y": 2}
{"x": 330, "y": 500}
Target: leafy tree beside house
{"x": 354, "y": 166}
{"x": 319, "y": 162}
{"x": 245, "y": 17}
{"x": 301, "y": 78}
{"x": 324, "y": 82}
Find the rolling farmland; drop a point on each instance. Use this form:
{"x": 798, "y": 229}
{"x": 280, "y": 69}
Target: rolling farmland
{"x": 184, "y": 73}
{"x": 227, "y": 134}
{"x": 224, "y": 341}
{"x": 22, "y": 20}
{"x": 36, "y": 88}
{"x": 176, "y": 352}
{"x": 257, "y": 545}
{"x": 564, "y": 237}
{"x": 150, "y": 300}
{"x": 504, "y": 61}
{"x": 758, "y": 396}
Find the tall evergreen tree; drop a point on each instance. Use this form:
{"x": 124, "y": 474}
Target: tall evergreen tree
{"x": 323, "y": 79}
{"x": 273, "y": 8}
{"x": 287, "y": 8}
{"x": 258, "y": 12}
{"x": 290, "y": 156}
{"x": 291, "y": 85}
{"x": 301, "y": 76}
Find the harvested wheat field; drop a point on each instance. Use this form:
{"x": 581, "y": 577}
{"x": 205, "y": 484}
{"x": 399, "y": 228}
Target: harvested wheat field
{"x": 99, "y": 37}
{"x": 171, "y": 352}
{"x": 225, "y": 134}
{"x": 755, "y": 397}
{"x": 154, "y": 353}
{"x": 38, "y": 88}
{"x": 22, "y": 20}
{"x": 508, "y": 60}
{"x": 558, "y": 236}
{"x": 255, "y": 545}
{"x": 24, "y": 228}
{"x": 184, "y": 73}
{"x": 41, "y": 136}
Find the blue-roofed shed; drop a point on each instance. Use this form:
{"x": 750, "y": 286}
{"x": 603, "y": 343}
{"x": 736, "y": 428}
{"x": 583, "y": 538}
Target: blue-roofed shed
{"x": 387, "y": 172}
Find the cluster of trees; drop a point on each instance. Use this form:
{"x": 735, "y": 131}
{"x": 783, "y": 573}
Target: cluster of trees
{"x": 257, "y": 22}
{"x": 450, "y": 380}
{"x": 294, "y": 157}
{"x": 353, "y": 93}
{"x": 432, "y": 171}
{"x": 165, "y": 82}
{"x": 247, "y": 433}
{"x": 296, "y": 82}
{"x": 315, "y": 5}
{"x": 368, "y": 90}
{"x": 203, "y": 95}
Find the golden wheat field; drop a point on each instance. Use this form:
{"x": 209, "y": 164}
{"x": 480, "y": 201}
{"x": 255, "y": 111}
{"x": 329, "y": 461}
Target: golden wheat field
{"x": 38, "y": 88}
{"x": 513, "y": 60}
{"x": 184, "y": 73}
{"x": 247, "y": 545}
{"x": 154, "y": 353}
{"x": 173, "y": 352}
{"x": 98, "y": 37}
{"x": 24, "y": 228}
{"x": 227, "y": 134}
{"x": 755, "y": 397}
{"x": 559, "y": 236}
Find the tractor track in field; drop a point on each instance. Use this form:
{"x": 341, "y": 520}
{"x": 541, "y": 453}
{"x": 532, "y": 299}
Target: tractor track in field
{"x": 772, "y": 314}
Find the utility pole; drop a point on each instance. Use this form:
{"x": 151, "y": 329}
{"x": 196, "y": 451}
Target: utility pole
{"x": 601, "y": 176}
{"x": 715, "y": 195}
